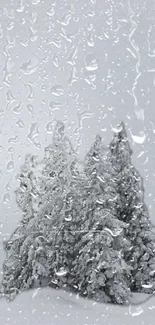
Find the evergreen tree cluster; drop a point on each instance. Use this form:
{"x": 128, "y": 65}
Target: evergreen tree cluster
{"x": 85, "y": 226}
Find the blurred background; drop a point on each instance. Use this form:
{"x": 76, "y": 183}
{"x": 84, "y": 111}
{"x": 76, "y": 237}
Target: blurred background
{"x": 90, "y": 63}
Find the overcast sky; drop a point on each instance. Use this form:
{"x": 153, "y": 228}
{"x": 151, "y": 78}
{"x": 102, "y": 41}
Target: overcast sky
{"x": 90, "y": 63}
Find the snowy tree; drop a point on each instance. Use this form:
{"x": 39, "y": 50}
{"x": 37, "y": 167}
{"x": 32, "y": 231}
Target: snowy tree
{"x": 41, "y": 248}
{"x": 132, "y": 210}
{"x": 15, "y": 269}
{"x": 99, "y": 267}
{"x": 57, "y": 209}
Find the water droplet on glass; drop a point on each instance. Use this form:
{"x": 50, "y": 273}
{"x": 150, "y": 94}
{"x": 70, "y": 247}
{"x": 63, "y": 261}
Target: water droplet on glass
{"x": 30, "y": 95}
{"x": 8, "y": 187}
{"x": 6, "y": 198}
{"x": 31, "y": 66}
{"x": 91, "y": 62}
{"x": 10, "y": 26}
{"x": 20, "y": 123}
{"x": 55, "y": 60}
{"x": 139, "y": 138}
{"x": 90, "y": 40}
{"x": 11, "y": 149}
{"x": 90, "y": 78}
{"x": 57, "y": 90}
{"x": 49, "y": 127}
{"x": 51, "y": 12}
{"x": 72, "y": 76}
{"x": 54, "y": 41}
{"x": 65, "y": 19}
{"x": 55, "y": 105}
{"x": 72, "y": 55}
{"x": 61, "y": 272}
{"x": 14, "y": 139}
{"x": 17, "y": 109}
{"x": 1, "y": 148}
{"x": 10, "y": 165}
{"x": 30, "y": 109}
{"x": 33, "y": 133}
{"x": 35, "y": 2}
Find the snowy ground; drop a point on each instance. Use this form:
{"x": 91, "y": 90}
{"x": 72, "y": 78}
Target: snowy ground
{"x": 52, "y": 307}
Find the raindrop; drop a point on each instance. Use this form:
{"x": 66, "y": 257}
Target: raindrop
{"x": 139, "y": 139}
{"x": 14, "y": 139}
{"x": 30, "y": 95}
{"x": 72, "y": 56}
{"x": 57, "y": 90}
{"x": 116, "y": 129}
{"x": 55, "y": 60}
{"x": 30, "y": 66}
{"x": 0, "y": 173}
{"x": 10, "y": 25}
{"x": 90, "y": 40}
{"x": 140, "y": 114}
{"x": 90, "y": 78}
{"x": 11, "y": 149}
{"x": 1, "y": 148}
{"x": 68, "y": 218}
{"x": 8, "y": 187}
{"x": 55, "y": 105}
{"x": 51, "y": 12}
{"x": 34, "y": 131}
{"x": 65, "y": 19}
{"x": 30, "y": 109}
{"x": 17, "y": 109}
{"x": 49, "y": 127}
{"x": 20, "y": 123}
{"x": 61, "y": 272}
{"x": 91, "y": 62}
{"x": 54, "y": 41}
{"x": 147, "y": 286}
{"x": 9, "y": 96}
{"x": 10, "y": 165}
{"x": 72, "y": 77}
{"x": 6, "y": 198}
{"x": 35, "y": 2}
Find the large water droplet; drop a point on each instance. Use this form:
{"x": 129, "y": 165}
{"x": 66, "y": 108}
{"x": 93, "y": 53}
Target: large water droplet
{"x": 55, "y": 105}
{"x": 57, "y": 90}
{"x": 139, "y": 138}
{"x": 30, "y": 66}
{"x": 72, "y": 77}
{"x": 31, "y": 94}
{"x": 14, "y": 139}
{"x": 91, "y": 62}
{"x": 17, "y": 109}
{"x": 10, "y": 165}
{"x": 35, "y": 2}
{"x": 49, "y": 127}
{"x": 6, "y": 198}
{"x": 33, "y": 133}
{"x": 20, "y": 123}
{"x": 65, "y": 19}
{"x": 72, "y": 55}
{"x": 11, "y": 149}
{"x": 55, "y": 60}
{"x": 30, "y": 109}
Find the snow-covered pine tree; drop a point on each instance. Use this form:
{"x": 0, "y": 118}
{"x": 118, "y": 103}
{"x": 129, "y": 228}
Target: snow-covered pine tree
{"x": 15, "y": 268}
{"x": 99, "y": 267}
{"x": 132, "y": 210}
{"x": 58, "y": 190}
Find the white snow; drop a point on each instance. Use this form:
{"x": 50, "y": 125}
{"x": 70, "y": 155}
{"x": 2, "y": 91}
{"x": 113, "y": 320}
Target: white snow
{"x": 55, "y": 307}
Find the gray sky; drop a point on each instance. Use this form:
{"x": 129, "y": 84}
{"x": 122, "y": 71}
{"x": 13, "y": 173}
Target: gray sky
{"x": 89, "y": 63}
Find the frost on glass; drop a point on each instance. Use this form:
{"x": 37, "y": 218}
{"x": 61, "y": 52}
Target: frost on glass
{"x": 85, "y": 226}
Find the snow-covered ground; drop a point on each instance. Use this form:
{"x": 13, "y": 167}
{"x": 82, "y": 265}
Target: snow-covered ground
{"x": 52, "y": 307}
